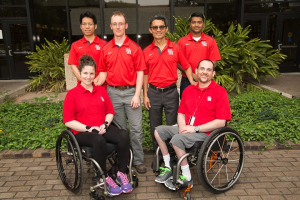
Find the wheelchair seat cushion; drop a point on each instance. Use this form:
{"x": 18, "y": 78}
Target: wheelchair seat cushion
{"x": 88, "y": 151}
{"x": 195, "y": 147}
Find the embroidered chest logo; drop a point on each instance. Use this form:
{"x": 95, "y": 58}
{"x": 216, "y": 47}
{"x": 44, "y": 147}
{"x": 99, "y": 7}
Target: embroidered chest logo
{"x": 204, "y": 43}
{"x": 170, "y": 51}
{"x": 102, "y": 99}
{"x": 209, "y": 98}
{"x": 128, "y": 51}
{"x": 79, "y": 47}
{"x": 97, "y": 47}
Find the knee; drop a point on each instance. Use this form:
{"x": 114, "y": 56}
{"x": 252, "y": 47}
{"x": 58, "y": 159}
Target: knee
{"x": 123, "y": 136}
{"x": 156, "y": 135}
{"x": 99, "y": 140}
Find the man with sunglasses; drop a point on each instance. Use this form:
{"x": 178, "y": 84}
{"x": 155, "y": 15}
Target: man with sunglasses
{"x": 162, "y": 57}
{"x": 90, "y": 44}
{"x": 197, "y": 46}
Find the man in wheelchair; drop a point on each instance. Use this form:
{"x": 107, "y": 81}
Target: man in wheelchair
{"x": 88, "y": 111}
{"x": 204, "y": 107}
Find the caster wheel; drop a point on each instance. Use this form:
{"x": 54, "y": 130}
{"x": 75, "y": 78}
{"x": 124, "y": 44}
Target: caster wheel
{"x": 187, "y": 196}
{"x": 135, "y": 181}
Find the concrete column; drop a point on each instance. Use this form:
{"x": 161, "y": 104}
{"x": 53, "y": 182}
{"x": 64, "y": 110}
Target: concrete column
{"x": 71, "y": 80}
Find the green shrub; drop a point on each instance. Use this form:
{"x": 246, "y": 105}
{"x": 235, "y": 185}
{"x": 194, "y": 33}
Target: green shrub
{"x": 241, "y": 57}
{"x": 48, "y": 63}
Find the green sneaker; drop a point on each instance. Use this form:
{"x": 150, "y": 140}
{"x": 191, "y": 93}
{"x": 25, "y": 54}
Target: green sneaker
{"x": 164, "y": 174}
{"x": 183, "y": 183}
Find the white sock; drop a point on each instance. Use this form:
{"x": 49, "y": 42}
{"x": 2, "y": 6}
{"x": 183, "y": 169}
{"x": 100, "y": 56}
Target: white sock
{"x": 186, "y": 172}
{"x": 167, "y": 160}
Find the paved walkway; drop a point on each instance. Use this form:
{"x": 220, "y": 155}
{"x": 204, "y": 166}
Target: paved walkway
{"x": 271, "y": 175}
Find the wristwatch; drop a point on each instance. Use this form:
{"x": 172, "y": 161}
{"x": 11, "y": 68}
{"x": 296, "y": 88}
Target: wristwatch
{"x": 106, "y": 125}
{"x": 197, "y": 129}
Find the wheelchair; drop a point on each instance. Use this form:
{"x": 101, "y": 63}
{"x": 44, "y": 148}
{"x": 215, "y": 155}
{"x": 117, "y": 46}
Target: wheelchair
{"x": 219, "y": 161}
{"x": 69, "y": 161}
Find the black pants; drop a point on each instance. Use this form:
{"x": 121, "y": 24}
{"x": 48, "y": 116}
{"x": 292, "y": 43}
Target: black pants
{"x": 169, "y": 101}
{"x": 98, "y": 143}
{"x": 184, "y": 84}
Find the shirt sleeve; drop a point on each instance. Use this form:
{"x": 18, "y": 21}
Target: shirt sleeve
{"x": 182, "y": 60}
{"x": 223, "y": 106}
{"x": 73, "y": 60}
{"x": 214, "y": 53}
{"x": 146, "y": 72}
{"x": 101, "y": 66}
{"x": 139, "y": 60}
{"x": 69, "y": 108}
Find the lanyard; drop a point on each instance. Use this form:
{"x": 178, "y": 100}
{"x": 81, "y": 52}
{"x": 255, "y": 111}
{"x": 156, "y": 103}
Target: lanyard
{"x": 197, "y": 105}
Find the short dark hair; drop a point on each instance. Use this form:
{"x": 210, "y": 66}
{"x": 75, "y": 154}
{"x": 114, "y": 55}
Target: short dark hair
{"x": 158, "y": 17}
{"x": 197, "y": 14}
{"x": 118, "y": 13}
{"x": 88, "y": 14}
{"x": 214, "y": 67}
{"x": 86, "y": 60}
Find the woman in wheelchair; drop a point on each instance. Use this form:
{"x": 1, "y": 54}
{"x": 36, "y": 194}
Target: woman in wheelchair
{"x": 88, "y": 112}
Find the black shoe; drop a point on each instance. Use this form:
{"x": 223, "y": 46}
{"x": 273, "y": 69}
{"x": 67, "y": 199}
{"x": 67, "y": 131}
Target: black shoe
{"x": 141, "y": 168}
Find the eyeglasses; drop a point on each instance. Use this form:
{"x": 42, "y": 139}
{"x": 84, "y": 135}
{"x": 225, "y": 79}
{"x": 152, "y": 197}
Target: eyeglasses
{"x": 119, "y": 24}
{"x": 87, "y": 24}
{"x": 155, "y": 28}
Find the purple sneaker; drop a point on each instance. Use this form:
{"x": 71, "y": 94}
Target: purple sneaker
{"x": 123, "y": 181}
{"x": 112, "y": 188}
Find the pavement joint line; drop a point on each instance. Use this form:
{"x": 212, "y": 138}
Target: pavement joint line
{"x": 50, "y": 153}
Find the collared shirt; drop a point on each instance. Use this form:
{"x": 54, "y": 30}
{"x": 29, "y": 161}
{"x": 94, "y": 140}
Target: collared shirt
{"x": 208, "y": 104}
{"x": 89, "y": 108}
{"x": 162, "y": 65}
{"x": 205, "y": 48}
{"x": 121, "y": 63}
{"x": 82, "y": 46}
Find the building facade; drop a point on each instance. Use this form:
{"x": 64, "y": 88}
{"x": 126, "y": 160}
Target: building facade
{"x": 25, "y": 24}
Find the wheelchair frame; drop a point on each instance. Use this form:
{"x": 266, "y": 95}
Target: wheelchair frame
{"x": 220, "y": 151}
{"x": 75, "y": 156}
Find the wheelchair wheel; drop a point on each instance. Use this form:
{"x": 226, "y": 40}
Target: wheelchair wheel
{"x": 221, "y": 160}
{"x": 69, "y": 161}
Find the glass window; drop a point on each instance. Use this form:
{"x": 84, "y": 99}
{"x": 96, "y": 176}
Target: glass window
{"x": 12, "y": 2}
{"x": 272, "y": 7}
{"x": 184, "y": 8}
{"x": 13, "y": 12}
{"x": 4, "y": 73}
{"x": 222, "y": 13}
{"x": 50, "y": 20}
{"x": 128, "y": 7}
{"x": 76, "y": 8}
{"x": 147, "y": 9}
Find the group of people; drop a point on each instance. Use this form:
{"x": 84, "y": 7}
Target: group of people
{"x": 111, "y": 76}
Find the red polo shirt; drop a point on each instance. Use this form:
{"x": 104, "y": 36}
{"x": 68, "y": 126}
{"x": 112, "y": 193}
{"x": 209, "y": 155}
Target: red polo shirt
{"x": 205, "y": 48}
{"x": 121, "y": 63}
{"x": 89, "y": 108}
{"x": 211, "y": 103}
{"x": 162, "y": 66}
{"x": 81, "y": 47}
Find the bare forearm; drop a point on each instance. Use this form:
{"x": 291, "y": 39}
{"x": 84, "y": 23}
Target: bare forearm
{"x": 181, "y": 119}
{"x": 109, "y": 118}
{"x": 180, "y": 68}
{"x": 189, "y": 74}
{"x": 75, "y": 71}
{"x": 76, "y": 125}
{"x": 145, "y": 85}
{"x": 139, "y": 82}
{"x": 212, "y": 125}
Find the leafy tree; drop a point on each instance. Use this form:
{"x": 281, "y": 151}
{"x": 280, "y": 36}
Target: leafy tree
{"x": 241, "y": 57}
{"x": 48, "y": 63}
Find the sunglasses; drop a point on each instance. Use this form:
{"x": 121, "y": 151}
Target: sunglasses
{"x": 155, "y": 28}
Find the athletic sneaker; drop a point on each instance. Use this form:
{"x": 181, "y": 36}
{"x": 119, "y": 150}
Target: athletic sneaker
{"x": 112, "y": 188}
{"x": 123, "y": 181}
{"x": 164, "y": 174}
{"x": 183, "y": 183}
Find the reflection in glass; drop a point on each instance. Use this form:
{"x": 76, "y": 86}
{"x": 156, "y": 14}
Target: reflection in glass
{"x": 255, "y": 28}
{"x": 272, "y": 7}
{"x": 13, "y": 12}
{"x": 12, "y": 2}
{"x": 50, "y": 20}
{"x": 4, "y": 73}
{"x": 271, "y": 29}
{"x": 184, "y": 8}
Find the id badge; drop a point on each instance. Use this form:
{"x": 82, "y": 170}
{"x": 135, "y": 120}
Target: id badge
{"x": 192, "y": 120}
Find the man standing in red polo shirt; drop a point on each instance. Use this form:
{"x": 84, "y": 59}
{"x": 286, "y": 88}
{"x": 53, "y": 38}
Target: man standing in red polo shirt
{"x": 197, "y": 46}
{"x": 122, "y": 65}
{"x": 203, "y": 108}
{"x": 162, "y": 57}
{"x": 90, "y": 44}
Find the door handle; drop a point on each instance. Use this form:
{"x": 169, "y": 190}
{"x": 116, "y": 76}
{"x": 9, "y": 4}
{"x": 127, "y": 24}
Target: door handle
{"x": 279, "y": 47}
{"x": 10, "y": 52}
